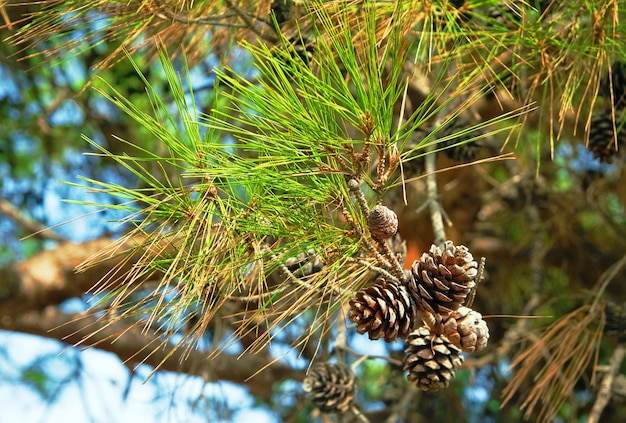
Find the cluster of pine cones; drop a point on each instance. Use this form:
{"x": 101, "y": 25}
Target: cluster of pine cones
{"x": 603, "y": 128}
{"x": 428, "y": 309}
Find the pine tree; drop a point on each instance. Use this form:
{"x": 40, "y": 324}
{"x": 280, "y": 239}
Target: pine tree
{"x": 290, "y": 198}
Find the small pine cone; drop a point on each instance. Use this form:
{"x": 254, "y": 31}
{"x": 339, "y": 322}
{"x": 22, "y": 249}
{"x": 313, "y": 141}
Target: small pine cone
{"x": 466, "y": 329}
{"x": 602, "y": 137}
{"x": 382, "y": 222}
{"x": 442, "y": 280}
{"x": 615, "y": 83}
{"x": 430, "y": 360}
{"x": 330, "y": 387}
{"x": 414, "y": 164}
{"x": 464, "y": 153}
{"x": 460, "y": 148}
{"x": 282, "y": 10}
{"x": 383, "y": 310}
{"x": 615, "y": 323}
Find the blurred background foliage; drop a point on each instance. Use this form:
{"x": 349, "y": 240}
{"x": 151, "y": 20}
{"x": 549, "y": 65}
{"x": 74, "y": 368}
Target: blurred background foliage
{"x": 550, "y": 223}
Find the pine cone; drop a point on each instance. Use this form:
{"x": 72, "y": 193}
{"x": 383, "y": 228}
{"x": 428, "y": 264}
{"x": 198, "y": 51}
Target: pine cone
{"x": 615, "y": 83}
{"x": 383, "y": 310}
{"x": 282, "y": 10}
{"x": 466, "y": 329}
{"x": 442, "y": 280}
{"x": 430, "y": 360}
{"x": 414, "y": 165}
{"x": 330, "y": 387}
{"x": 615, "y": 323}
{"x": 382, "y": 222}
{"x": 460, "y": 148}
{"x": 601, "y": 136}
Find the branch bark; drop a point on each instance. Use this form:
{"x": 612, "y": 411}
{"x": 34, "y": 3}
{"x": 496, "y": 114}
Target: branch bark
{"x": 604, "y": 393}
{"x": 133, "y": 346}
{"x": 49, "y": 277}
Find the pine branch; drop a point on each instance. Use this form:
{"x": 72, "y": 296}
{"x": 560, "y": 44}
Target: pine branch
{"x": 559, "y": 357}
{"x": 217, "y": 19}
{"x": 262, "y": 178}
{"x": 244, "y": 16}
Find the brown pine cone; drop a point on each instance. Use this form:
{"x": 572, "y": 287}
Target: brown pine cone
{"x": 330, "y": 387}
{"x": 443, "y": 279}
{"x": 602, "y": 136}
{"x": 282, "y": 10}
{"x": 466, "y": 329}
{"x": 382, "y": 222}
{"x": 615, "y": 323}
{"x": 414, "y": 164}
{"x": 430, "y": 360}
{"x": 383, "y": 310}
{"x": 462, "y": 147}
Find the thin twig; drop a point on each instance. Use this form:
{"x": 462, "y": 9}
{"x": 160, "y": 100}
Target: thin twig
{"x": 393, "y": 260}
{"x": 606, "y": 278}
{"x": 257, "y": 297}
{"x": 297, "y": 280}
{"x": 244, "y": 16}
{"x": 358, "y": 414}
{"x": 604, "y": 393}
{"x": 373, "y": 268}
{"x": 387, "y": 258}
{"x": 401, "y": 406}
{"x": 28, "y": 224}
{"x": 372, "y": 357}
{"x": 362, "y": 238}
{"x": 360, "y": 197}
{"x": 217, "y": 20}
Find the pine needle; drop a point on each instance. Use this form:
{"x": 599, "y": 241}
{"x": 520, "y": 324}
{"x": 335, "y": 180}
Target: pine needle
{"x": 557, "y": 360}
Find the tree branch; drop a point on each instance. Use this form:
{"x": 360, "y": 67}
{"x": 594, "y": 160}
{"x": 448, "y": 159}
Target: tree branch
{"x": 244, "y": 16}
{"x": 27, "y": 223}
{"x": 49, "y": 277}
{"x": 134, "y": 346}
{"x": 604, "y": 393}
{"x": 436, "y": 215}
